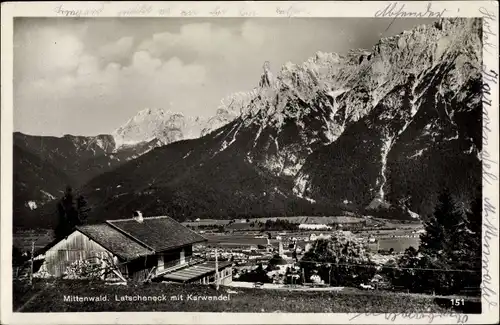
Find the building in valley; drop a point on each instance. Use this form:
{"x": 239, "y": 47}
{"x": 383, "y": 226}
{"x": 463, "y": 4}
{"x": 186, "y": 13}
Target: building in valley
{"x": 134, "y": 249}
{"x": 314, "y": 226}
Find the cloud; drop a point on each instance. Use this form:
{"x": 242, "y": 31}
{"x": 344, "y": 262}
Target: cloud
{"x": 86, "y": 87}
{"x": 118, "y": 50}
{"x": 178, "y": 73}
{"x": 204, "y": 41}
{"x": 87, "y": 65}
{"x": 70, "y": 72}
{"x": 253, "y": 34}
{"x": 48, "y": 52}
{"x": 181, "y": 66}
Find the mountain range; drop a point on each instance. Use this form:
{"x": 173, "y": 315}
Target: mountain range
{"x": 379, "y": 131}
{"x": 45, "y": 165}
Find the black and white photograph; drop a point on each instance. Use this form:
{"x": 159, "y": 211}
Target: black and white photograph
{"x": 250, "y": 164}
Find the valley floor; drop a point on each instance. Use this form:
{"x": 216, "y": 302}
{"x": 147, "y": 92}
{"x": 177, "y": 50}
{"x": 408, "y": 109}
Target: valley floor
{"x": 52, "y": 296}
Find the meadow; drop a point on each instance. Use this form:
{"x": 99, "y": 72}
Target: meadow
{"x": 48, "y": 296}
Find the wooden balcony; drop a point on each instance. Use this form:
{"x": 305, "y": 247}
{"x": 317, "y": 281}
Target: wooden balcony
{"x": 178, "y": 264}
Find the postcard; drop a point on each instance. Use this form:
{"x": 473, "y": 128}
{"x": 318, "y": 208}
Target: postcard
{"x": 249, "y": 162}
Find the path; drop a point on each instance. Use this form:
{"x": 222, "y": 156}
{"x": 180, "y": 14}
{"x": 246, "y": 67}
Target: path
{"x": 346, "y": 290}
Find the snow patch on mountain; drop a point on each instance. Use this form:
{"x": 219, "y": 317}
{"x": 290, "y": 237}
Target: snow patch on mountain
{"x": 363, "y": 80}
{"x": 32, "y": 205}
{"x": 301, "y": 184}
{"x": 159, "y": 127}
{"x": 47, "y": 194}
{"x": 164, "y": 125}
{"x": 384, "y": 151}
{"x": 417, "y": 154}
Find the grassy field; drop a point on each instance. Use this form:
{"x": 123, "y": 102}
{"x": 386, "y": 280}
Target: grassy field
{"x": 296, "y": 219}
{"x": 48, "y": 296}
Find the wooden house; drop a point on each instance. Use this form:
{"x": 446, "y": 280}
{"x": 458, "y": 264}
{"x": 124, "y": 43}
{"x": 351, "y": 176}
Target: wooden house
{"x": 134, "y": 249}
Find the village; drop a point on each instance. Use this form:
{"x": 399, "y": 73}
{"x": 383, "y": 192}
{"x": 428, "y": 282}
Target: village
{"x": 228, "y": 265}
{"x": 261, "y": 252}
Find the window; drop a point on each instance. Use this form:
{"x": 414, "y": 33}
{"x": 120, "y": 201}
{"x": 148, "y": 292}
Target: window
{"x": 183, "y": 257}
{"x": 161, "y": 262}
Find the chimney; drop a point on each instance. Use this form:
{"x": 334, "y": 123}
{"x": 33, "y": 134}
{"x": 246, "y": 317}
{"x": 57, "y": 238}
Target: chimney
{"x": 138, "y": 216}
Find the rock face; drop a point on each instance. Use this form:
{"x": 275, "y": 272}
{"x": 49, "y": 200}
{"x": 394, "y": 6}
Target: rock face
{"x": 158, "y": 124}
{"x": 411, "y": 121}
{"x": 35, "y": 181}
{"x": 379, "y": 129}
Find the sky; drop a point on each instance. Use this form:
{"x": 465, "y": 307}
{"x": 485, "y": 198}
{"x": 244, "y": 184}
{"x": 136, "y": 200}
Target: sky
{"x": 88, "y": 76}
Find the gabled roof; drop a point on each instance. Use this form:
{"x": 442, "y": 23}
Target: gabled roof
{"x": 157, "y": 233}
{"x": 115, "y": 241}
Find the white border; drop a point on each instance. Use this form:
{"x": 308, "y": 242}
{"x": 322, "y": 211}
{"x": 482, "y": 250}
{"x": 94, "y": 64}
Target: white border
{"x": 229, "y": 9}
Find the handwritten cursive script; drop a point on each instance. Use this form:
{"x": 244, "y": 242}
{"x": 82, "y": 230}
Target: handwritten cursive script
{"x": 488, "y": 31}
{"x": 429, "y": 316}
{"x": 73, "y": 12}
{"x": 490, "y": 232}
{"x": 143, "y": 9}
{"x": 247, "y": 13}
{"x": 397, "y": 10}
{"x": 291, "y": 11}
{"x": 489, "y": 77}
{"x": 218, "y": 11}
{"x": 490, "y": 166}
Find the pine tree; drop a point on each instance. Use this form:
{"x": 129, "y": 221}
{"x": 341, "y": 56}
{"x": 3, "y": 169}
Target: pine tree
{"x": 451, "y": 243}
{"x": 82, "y": 209}
{"x": 473, "y": 227}
{"x": 468, "y": 252}
{"x": 71, "y": 213}
{"x": 441, "y": 228}
{"x": 432, "y": 240}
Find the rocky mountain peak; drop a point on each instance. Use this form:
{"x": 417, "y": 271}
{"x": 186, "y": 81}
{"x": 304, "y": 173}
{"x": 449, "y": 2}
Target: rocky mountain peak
{"x": 379, "y": 131}
{"x": 157, "y": 124}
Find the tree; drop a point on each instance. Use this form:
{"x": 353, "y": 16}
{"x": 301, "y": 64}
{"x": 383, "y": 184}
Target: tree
{"x": 71, "y": 213}
{"x": 440, "y": 227}
{"x": 257, "y": 275}
{"x": 467, "y": 255}
{"x": 339, "y": 260}
{"x": 449, "y": 250}
{"x": 82, "y": 209}
{"x": 404, "y": 274}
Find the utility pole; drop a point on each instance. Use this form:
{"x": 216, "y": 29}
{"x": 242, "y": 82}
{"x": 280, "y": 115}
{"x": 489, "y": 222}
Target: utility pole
{"x": 329, "y": 275}
{"x": 31, "y": 266}
{"x": 216, "y": 270}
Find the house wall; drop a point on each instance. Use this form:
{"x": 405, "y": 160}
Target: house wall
{"x": 226, "y": 275}
{"x": 78, "y": 246}
{"x": 141, "y": 268}
{"x": 75, "y": 247}
{"x": 312, "y": 226}
{"x": 172, "y": 258}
